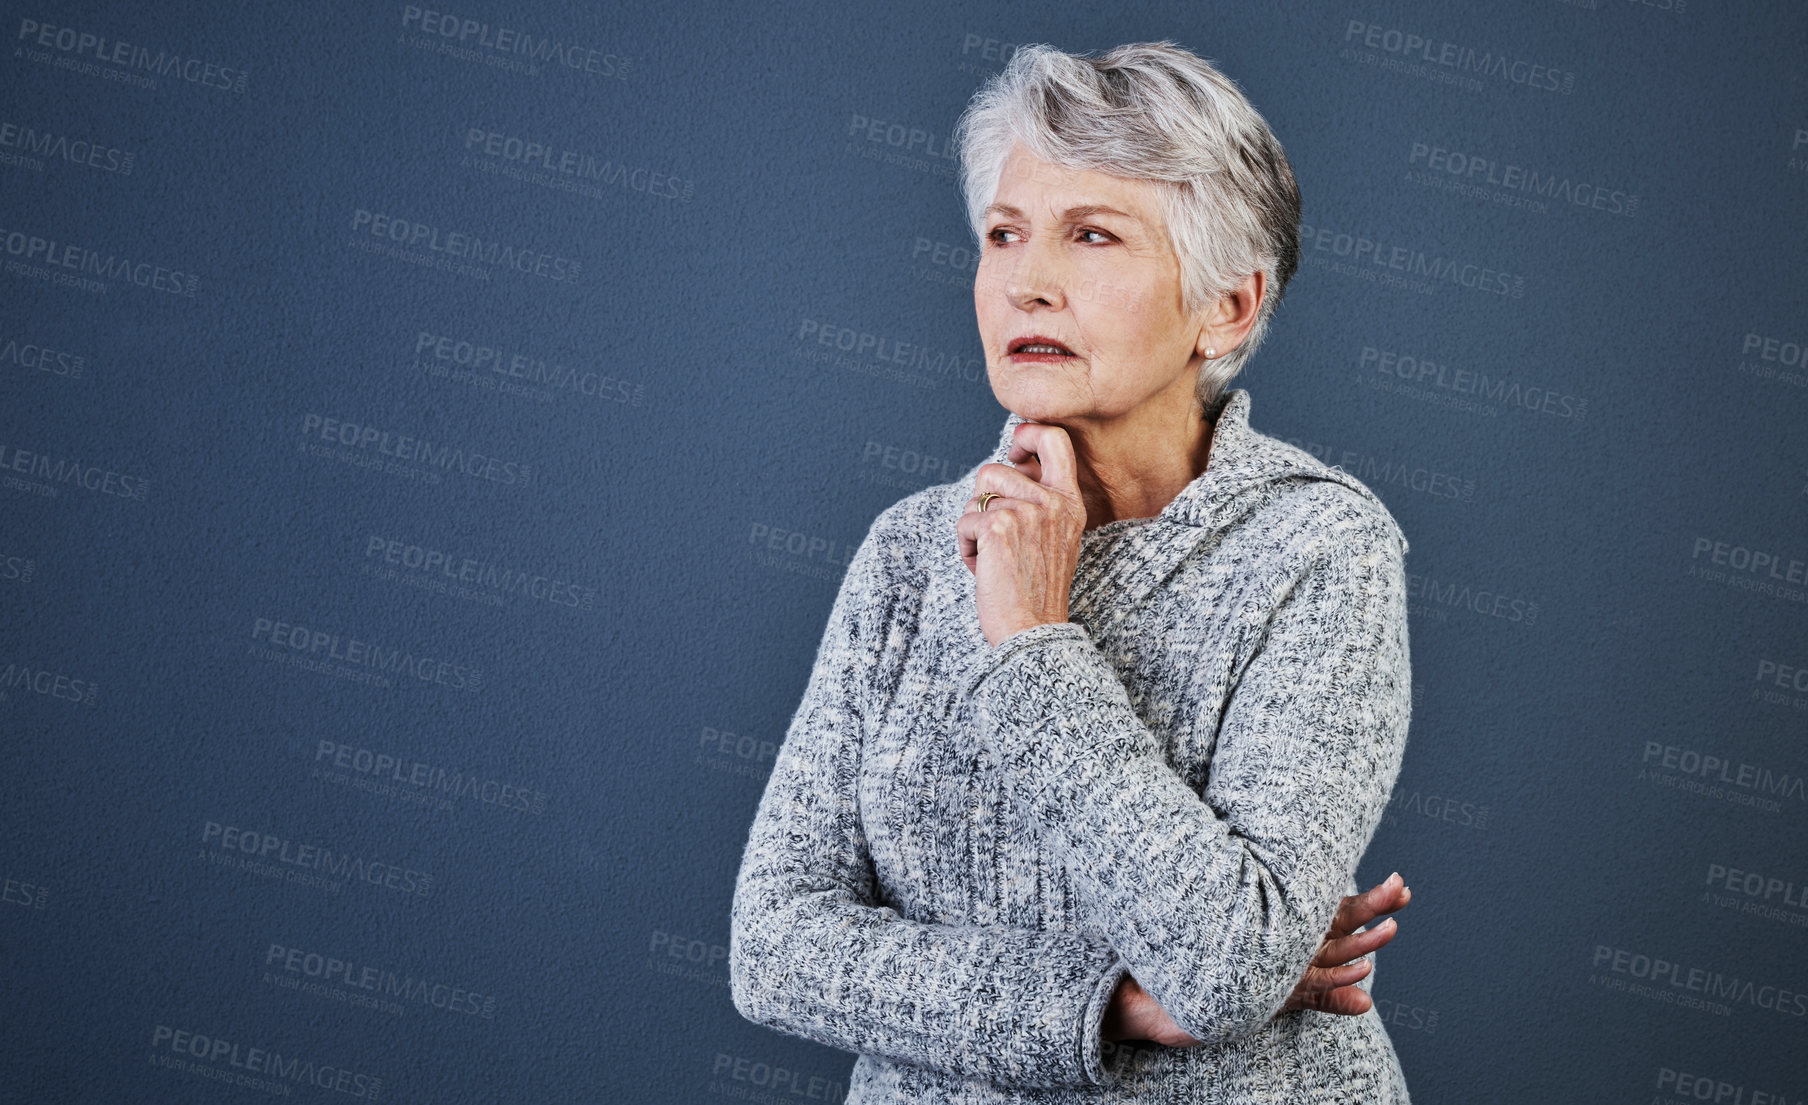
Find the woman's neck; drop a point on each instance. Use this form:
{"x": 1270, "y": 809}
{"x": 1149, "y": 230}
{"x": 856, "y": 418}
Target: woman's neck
{"x": 1135, "y": 472}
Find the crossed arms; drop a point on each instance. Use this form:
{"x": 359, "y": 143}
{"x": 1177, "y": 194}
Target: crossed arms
{"x": 1216, "y": 905}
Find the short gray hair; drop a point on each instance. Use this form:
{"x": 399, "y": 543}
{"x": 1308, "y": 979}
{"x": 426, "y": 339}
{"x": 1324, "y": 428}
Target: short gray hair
{"x": 1158, "y": 112}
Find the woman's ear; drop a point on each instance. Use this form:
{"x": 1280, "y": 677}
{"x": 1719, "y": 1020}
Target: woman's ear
{"x": 1227, "y": 321}
{"x": 1203, "y": 346}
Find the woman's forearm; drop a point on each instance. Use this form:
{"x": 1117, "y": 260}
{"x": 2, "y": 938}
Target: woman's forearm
{"x": 813, "y": 953}
{"x": 1219, "y": 904}
{"x": 1016, "y": 1007}
{"x": 1126, "y": 1014}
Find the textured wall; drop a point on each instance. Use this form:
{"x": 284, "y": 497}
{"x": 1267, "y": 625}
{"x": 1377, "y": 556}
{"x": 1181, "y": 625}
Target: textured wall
{"x": 426, "y": 464}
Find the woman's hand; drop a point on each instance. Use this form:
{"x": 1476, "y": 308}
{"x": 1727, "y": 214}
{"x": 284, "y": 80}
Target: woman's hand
{"x": 1023, "y": 548}
{"x": 1328, "y": 985}
{"x": 1329, "y": 982}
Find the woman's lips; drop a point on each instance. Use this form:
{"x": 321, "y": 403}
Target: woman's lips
{"x": 1037, "y": 349}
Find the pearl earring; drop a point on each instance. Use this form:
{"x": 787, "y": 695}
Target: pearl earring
{"x": 1210, "y": 352}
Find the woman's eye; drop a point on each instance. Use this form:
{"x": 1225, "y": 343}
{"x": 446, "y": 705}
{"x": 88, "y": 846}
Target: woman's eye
{"x": 1102, "y": 236}
{"x": 997, "y": 234}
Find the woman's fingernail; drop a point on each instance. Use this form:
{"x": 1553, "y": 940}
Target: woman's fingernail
{"x": 1394, "y": 877}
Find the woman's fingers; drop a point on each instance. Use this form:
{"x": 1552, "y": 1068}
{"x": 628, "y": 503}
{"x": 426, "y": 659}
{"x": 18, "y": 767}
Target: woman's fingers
{"x": 967, "y": 526}
{"x": 1331, "y": 990}
{"x": 1359, "y": 909}
{"x": 1348, "y": 1001}
{"x": 1329, "y": 985}
{"x": 1054, "y": 453}
{"x": 1011, "y": 482}
{"x": 1343, "y": 949}
{"x": 1320, "y": 979}
{"x": 1026, "y": 462}
{"x": 1016, "y": 490}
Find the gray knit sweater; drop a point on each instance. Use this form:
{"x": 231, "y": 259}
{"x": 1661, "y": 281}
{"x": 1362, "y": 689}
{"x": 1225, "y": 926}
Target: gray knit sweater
{"x": 962, "y": 847}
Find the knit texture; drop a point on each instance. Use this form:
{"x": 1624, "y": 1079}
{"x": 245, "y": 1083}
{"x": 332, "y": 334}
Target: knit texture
{"x": 962, "y": 847}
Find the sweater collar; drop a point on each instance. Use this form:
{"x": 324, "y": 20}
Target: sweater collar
{"x": 1244, "y": 469}
{"x": 1242, "y": 459}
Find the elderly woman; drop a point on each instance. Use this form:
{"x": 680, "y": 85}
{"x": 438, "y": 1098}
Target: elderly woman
{"x": 1096, "y": 736}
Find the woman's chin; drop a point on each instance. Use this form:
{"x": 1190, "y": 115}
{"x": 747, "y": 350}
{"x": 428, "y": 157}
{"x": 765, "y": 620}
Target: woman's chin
{"x": 1041, "y": 404}
{"x": 1033, "y": 411}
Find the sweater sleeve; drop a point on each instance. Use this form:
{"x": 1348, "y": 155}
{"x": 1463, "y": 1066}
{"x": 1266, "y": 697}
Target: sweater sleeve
{"x": 1219, "y": 901}
{"x": 814, "y": 953}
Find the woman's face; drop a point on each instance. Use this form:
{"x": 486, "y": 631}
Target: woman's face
{"x": 1081, "y": 258}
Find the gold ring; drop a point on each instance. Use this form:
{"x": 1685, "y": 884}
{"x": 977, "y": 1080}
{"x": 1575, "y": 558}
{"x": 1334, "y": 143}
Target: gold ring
{"x": 986, "y": 498}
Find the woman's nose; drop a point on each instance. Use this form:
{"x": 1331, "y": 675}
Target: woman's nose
{"x": 1035, "y": 279}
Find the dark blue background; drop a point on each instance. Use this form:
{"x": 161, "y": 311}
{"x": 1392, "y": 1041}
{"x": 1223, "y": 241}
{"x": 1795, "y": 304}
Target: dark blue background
{"x": 1532, "y": 819}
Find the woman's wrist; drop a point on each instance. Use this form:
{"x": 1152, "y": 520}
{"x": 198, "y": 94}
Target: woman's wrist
{"x": 1122, "y": 1020}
